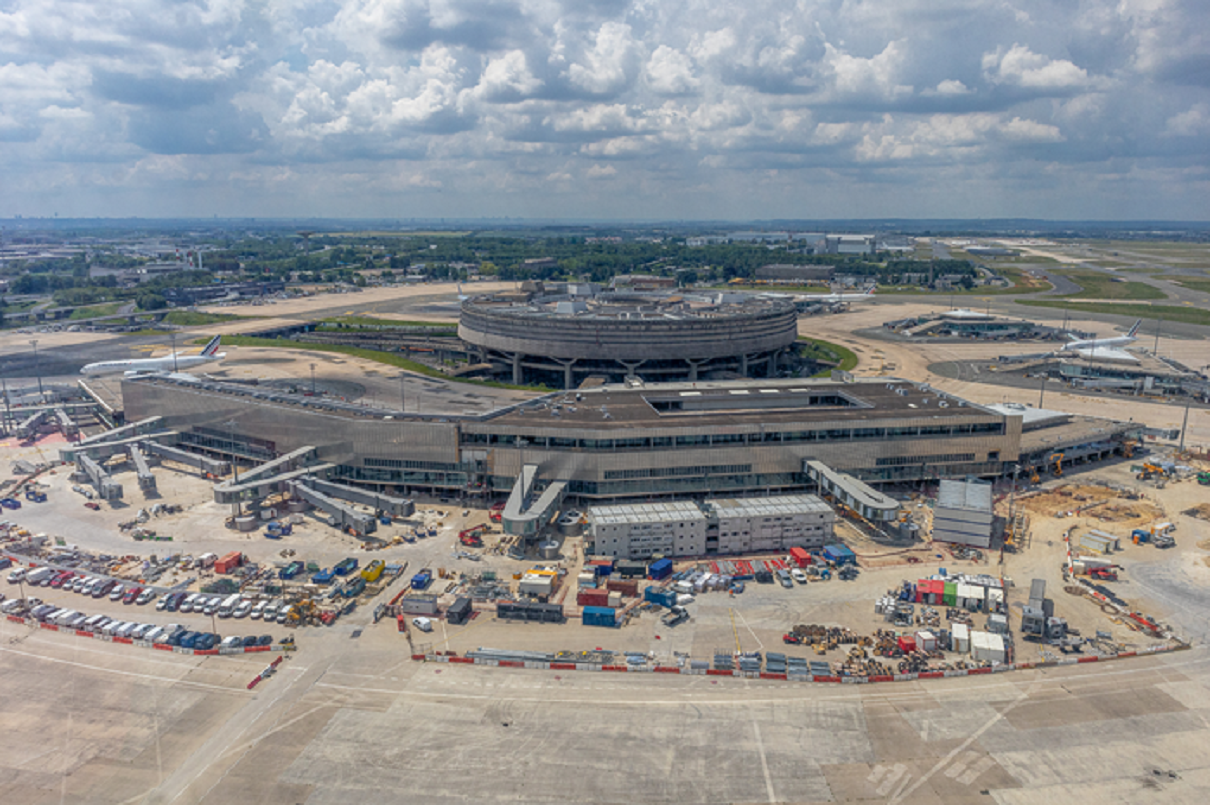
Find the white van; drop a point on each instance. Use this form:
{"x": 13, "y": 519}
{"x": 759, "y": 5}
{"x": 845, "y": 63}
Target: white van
{"x": 258, "y": 609}
{"x": 270, "y": 612}
{"x": 127, "y": 630}
{"x": 151, "y": 634}
{"x": 88, "y": 586}
{"x": 227, "y": 607}
{"x": 242, "y": 608}
{"x": 167, "y": 633}
{"x": 64, "y": 616}
{"x": 37, "y": 575}
{"x": 206, "y": 560}
{"x": 112, "y": 627}
{"x": 190, "y": 600}
{"x": 140, "y": 632}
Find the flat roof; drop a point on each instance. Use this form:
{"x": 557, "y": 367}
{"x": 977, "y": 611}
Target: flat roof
{"x": 671, "y": 511}
{"x": 764, "y": 507}
{"x": 966, "y": 495}
{"x": 744, "y": 402}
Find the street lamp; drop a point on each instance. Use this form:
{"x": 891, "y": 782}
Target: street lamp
{"x": 37, "y": 368}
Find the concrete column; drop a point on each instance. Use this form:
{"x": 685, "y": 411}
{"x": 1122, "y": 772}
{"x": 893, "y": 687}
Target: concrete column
{"x": 693, "y": 366}
{"x": 773, "y": 365}
{"x": 517, "y": 368}
{"x": 568, "y": 379}
{"x": 630, "y": 367}
{"x": 743, "y": 365}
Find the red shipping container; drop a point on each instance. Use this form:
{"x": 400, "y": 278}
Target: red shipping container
{"x": 589, "y": 597}
{"x": 800, "y": 556}
{"x": 907, "y": 644}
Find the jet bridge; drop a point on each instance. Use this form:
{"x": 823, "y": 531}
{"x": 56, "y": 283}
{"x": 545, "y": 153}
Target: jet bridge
{"x": 528, "y": 509}
{"x": 142, "y": 469}
{"x": 207, "y": 465}
{"x": 102, "y": 450}
{"x": 852, "y": 492}
{"x": 344, "y": 516}
{"x": 66, "y": 423}
{"x": 107, "y": 488}
{"x": 396, "y": 507}
{"x": 143, "y": 426}
{"x": 28, "y": 427}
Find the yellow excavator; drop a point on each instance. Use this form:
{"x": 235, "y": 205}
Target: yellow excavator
{"x": 1057, "y": 458}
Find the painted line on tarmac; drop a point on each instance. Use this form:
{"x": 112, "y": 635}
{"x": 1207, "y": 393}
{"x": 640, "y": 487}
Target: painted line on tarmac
{"x": 103, "y": 669}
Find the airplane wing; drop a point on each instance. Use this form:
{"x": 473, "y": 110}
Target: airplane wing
{"x": 1108, "y": 354}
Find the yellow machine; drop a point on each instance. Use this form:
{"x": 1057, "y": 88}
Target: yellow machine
{"x": 1057, "y": 458}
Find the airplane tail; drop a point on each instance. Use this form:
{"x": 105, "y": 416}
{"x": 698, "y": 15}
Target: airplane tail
{"x": 870, "y": 290}
{"x": 1135, "y": 329}
{"x": 212, "y": 346}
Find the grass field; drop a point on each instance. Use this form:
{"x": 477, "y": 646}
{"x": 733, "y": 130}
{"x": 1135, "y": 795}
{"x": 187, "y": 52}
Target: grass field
{"x": 1186, "y": 315}
{"x": 402, "y": 233}
{"x": 821, "y": 350}
{"x": 1192, "y": 283}
{"x": 92, "y": 311}
{"x": 387, "y": 358}
{"x": 1095, "y": 285}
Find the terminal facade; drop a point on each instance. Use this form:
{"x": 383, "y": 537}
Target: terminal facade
{"x": 621, "y": 443}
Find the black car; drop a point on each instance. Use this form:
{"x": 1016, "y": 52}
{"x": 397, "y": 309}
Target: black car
{"x": 264, "y": 640}
{"x": 250, "y": 640}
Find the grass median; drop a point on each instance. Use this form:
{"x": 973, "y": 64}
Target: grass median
{"x": 1184, "y": 315}
{"x": 820, "y": 350}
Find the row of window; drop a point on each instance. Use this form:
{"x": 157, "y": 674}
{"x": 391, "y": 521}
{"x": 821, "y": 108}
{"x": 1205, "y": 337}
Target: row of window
{"x": 898, "y": 461}
{"x": 671, "y": 472}
{"x": 724, "y": 439}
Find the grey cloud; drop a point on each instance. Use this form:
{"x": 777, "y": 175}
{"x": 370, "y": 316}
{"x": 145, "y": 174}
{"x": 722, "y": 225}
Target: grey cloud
{"x": 218, "y": 129}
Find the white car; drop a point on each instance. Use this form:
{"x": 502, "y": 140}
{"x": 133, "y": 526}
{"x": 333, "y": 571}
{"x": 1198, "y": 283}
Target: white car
{"x": 242, "y": 610}
{"x": 258, "y": 609}
{"x": 117, "y": 592}
{"x": 16, "y": 576}
{"x": 145, "y": 597}
{"x": 798, "y": 575}
{"x": 423, "y": 624}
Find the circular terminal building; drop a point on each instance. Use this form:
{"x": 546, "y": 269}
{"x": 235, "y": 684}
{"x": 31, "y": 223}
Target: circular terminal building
{"x": 563, "y": 339}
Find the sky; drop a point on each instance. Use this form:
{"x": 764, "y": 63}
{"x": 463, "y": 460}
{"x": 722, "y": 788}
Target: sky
{"x": 609, "y": 109}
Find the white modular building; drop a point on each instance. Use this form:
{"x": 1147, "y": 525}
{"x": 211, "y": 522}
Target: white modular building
{"x": 963, "y": 513}
{"x": 724, "y": 526}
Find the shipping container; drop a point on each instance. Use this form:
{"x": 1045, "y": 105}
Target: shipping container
{"x": 630, "y": 589}
{"x": 656, "y": 595}
{"x": 926, "y": 641}
{"x": 949, "y": 595}
{"x": 839, "y": 555}
{"x": 631, "y": 570}
{"x": 907, "y": 644}
{"x": 526, "y": 611}
{"x": 373, "y": 570}
{"x": 599, "y": 616}
{"x": 345, "y": 566}
{"x": 592, "y": 598}
{"x": 800, "y": 556}
{"x": 987, "y": 647}
{"x": 960, "y": 638}
{"x": 460, "y": 611}
{"x": 229, "y": 562}
{"x": 660, "y": 569}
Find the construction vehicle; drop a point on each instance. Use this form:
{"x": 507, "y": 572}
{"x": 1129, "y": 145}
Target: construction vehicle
{"x": 1057, "y": 458}
{"x": 1150, "y": 471}
{"x": 473, "y": 537}
{"x": 422, "y": 579}
{"x": 1103, "y": 573}
{"x": 497, "y": 512}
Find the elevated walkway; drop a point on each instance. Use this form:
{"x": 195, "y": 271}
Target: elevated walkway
{"x": 527, "y": 509}
{"x": 142, "y": 469}
{"x": 344, "y": 516}
{"x": 107, "y": 488}
{"x": 207, "y": 465}
{"x": 856, "y": 494}
{"x": 396, "y": 507}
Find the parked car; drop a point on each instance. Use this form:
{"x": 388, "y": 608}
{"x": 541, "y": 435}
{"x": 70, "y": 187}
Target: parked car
{"x": 423, "y": 624}
{"x": 102, "y": 589}
{"x": 78, "y": 583}
{"x": 242, "y": 609}
{"x": 258, "y": 609}
{"x": 131, "y": 594}
{"x": 189, "y": 639}
{"x": 798, "y": 575}
{"x": 117, "y": 591}
{"x": 187, "y": 604}
{"x": 16, "y": 576}
{"x": 234, "y": 641}
{"x": 248, "y": 641}
{"x": 264, "y": 640}
{"x": 62, "y": 579}
{"x": 146, "y": 596}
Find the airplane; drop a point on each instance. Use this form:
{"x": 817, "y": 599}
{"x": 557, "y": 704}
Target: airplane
{"x": 462, "y": 297}
{"x": 829, "y": 298}
{"x": 1087, "y": 345}
{"x": 167, "y": 364}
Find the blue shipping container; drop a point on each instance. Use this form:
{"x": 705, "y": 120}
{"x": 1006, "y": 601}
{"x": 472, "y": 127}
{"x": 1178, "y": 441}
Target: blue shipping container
{"x": 599, "y": 616}
{"x": 656, "y": 595}
{"x": 661, "y": 569}
{"x": 840, "y": 555}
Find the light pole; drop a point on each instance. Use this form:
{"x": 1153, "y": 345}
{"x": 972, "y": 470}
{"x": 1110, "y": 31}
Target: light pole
{"x": 1042, "y": 392}
{"x": 312, "y": 380}
{"x": 33, "y": 342}
{"x": 175, "y": 368}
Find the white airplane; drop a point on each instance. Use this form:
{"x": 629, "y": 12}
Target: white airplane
{"x": 462, "y": 297}
{"x": 829, "y": 298}
{"x": 169, "y": 363}
{"x": 1104, "y": 347}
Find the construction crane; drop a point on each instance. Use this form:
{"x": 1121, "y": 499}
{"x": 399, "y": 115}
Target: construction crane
{"x": 1057, "y": 458}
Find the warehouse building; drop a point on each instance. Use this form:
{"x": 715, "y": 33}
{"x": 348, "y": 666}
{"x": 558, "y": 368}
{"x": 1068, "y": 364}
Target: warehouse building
{"x": 725, "y": 526}
{"x": 963, "y": 514}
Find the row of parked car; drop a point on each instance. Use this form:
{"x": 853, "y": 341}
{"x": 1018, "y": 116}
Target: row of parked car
{"x": 231, "y": 606}
{"x": 95, "y": 586}
{"x": 172, "y": 634}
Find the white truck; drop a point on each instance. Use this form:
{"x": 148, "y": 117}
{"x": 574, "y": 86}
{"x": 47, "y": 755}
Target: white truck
{"x": 228, "y": 605}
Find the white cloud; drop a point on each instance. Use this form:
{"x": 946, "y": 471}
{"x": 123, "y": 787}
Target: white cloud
{"x": 950, "y": 87}
{"x": 1020, "y": 66}
{"x": 611, "y": 63}
{"x": 670, "y": 72}
{"x": 1193, "y": 122}
{"x": 601, "y": 171}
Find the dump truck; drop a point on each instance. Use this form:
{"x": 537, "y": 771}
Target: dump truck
{"x": 422, "y": 579}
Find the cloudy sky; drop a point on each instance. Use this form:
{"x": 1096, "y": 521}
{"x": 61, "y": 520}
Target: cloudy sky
{"x": 606, "y": 108}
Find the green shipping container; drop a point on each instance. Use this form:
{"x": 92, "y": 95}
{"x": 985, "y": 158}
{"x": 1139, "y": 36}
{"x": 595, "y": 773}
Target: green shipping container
{"x": 949, "y": 597}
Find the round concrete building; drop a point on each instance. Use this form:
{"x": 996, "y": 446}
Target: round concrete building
{"x": 563, "y": 339}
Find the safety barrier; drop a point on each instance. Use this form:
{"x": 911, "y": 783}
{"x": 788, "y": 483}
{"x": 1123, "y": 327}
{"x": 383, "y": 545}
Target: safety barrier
{"x": 686, "y": 670}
